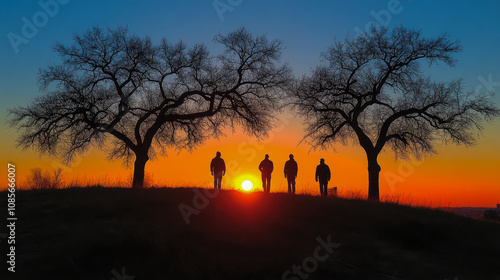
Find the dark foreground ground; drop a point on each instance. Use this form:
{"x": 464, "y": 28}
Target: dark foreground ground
{"x": 99, "y": 233}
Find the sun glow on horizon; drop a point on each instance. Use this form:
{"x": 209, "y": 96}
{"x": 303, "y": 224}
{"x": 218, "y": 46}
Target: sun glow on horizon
{"x": 247, "y": 185}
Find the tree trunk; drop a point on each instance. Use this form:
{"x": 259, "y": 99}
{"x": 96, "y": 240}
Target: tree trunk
{"x": 373, "y": 177}
{"x": 139, "y": 166}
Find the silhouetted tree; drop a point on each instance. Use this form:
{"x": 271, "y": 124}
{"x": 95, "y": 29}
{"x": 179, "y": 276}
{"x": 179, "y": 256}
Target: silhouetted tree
{"x": 372, "y": 91}
{"x": 150, "y": 97}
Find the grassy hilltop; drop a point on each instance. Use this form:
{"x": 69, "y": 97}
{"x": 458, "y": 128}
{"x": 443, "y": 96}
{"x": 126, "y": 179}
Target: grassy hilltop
{"x": 94, "y": 233}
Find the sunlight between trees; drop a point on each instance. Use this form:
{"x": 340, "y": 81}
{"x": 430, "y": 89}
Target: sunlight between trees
{"x": 135, "y": 99}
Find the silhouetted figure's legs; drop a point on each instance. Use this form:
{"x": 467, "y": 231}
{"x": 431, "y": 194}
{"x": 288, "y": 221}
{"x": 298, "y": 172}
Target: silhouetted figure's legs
{"x": 291, "y": 185}
{"x": 264, "y": 186}
{"x": 323, "y": 188}
{"x": 217, "y": 181}
{"x": 266, "y": 182}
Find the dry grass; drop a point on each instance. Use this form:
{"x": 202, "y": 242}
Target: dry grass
{"x": 125, "y": 181}
{"x": 56, "y": 180}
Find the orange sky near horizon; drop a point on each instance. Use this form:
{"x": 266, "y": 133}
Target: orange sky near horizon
{"x": 456, "y": 176}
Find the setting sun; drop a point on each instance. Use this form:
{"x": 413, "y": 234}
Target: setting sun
{"x": 319, "y": 139}
{"x": 247, "y": 185}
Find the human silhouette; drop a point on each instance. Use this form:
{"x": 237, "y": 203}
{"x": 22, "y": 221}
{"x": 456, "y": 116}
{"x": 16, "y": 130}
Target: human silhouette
{"x": 291, "y": 170}
{"x": 218, "y": 169}
{"x": 323, "y": 175}
{"x": 266, "y": 167}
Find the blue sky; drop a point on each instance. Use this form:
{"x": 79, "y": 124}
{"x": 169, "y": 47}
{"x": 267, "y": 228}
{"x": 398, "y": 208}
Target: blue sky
{"x": 306, "y": 27}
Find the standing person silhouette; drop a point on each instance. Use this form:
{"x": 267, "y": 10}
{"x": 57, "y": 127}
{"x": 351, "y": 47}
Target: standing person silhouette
{"x": 291, "y": 170}
{"x": 266, "y": 167}
{"x": 218, "y": 169}
{"x": 323, "y": 175}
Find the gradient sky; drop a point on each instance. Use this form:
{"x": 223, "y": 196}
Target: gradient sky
{"x": 455, "y": 176}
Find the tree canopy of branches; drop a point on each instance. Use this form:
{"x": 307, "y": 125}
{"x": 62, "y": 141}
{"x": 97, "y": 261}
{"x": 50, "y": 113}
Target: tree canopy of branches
{"x": 372, "y": 90}
{"x": 135, "y": 99}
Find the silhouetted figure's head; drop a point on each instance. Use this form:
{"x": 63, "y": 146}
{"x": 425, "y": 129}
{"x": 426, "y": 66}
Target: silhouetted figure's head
{"x": 218, "y": 154}
{"x": 291, "y": 156}
{"x": 267, "y": 156}
{"x": 322, "y": 161}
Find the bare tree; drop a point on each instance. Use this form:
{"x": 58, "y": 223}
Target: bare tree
{"x": 148, "y": 97}
{"x": 372, "y": 91}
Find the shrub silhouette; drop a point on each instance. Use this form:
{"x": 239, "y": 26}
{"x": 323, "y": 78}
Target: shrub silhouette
{"x": 40, "y": 179}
